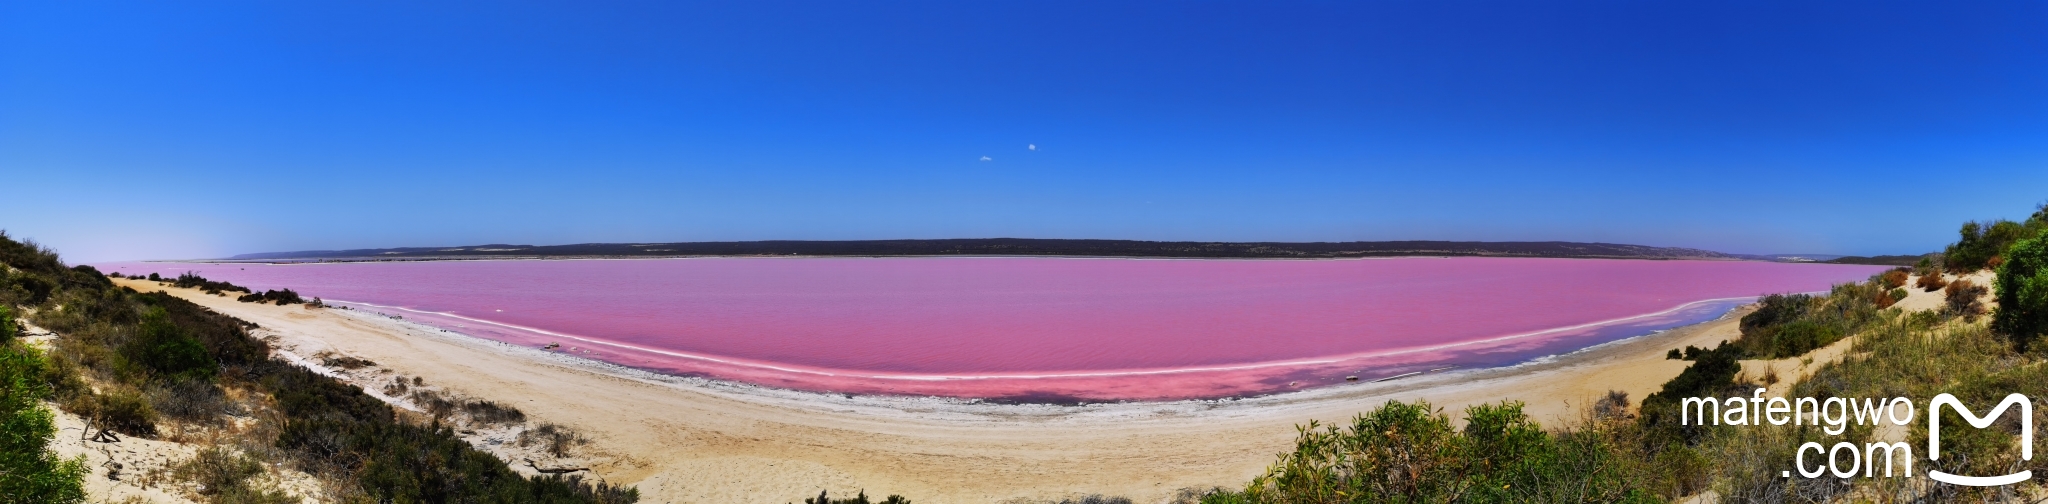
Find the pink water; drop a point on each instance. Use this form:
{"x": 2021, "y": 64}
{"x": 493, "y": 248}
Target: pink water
{"x": 1043, "y": 328}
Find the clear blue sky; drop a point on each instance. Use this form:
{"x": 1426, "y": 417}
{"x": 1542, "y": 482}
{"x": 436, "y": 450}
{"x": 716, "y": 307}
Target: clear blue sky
{"x": 146, "y": 130}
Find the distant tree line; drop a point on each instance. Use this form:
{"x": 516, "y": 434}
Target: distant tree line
{"x": 192, "y": 280}
{"x": 1025, "y": 247}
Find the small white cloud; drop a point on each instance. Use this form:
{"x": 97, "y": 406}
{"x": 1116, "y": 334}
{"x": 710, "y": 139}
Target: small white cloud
{"x": 986, "y": 158}
{"x": 1031, "y": 147}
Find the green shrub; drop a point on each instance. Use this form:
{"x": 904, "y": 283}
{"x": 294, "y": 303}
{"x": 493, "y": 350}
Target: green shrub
{"x": 1980, "y": 243}
{"x": 120, "y": 410}
{"x": 9, "y": 329}
{"x": 2022, "y": 290}
{"x": 1409, "y": 453}
{"x": 167, "y": 350}
{"x": 29, "y": 472}
{"x": 218, "y": 469}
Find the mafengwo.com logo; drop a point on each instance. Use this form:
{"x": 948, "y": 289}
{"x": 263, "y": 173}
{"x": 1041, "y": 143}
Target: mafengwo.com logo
{"x": 1872, "y": 459}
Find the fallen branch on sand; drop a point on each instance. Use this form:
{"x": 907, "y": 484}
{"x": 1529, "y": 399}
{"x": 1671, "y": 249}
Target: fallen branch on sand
{"x": 560, "y": 470}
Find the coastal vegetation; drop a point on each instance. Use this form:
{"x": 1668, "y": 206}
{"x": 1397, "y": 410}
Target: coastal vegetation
{"x": 153, "y": 365}
{"x": 29, "y": 472}
{"x": 1404, "y": 452}
{"x": 1882, "y": 260}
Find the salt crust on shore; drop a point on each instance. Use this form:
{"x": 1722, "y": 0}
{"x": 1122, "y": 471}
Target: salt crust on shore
{"x": 683, "y": 439}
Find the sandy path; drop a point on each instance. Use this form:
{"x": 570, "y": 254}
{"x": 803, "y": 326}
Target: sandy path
{"x": 687, "y": 440}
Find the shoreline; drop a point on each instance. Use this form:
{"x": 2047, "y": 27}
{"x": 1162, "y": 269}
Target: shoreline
{"x": 1303, "y": 363}
{"x": 696, "y": 439}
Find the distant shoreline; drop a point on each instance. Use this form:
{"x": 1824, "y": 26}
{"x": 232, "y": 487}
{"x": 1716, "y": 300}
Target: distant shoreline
{"x": 1014, "y": 247}
{"x": 457, "y": 259}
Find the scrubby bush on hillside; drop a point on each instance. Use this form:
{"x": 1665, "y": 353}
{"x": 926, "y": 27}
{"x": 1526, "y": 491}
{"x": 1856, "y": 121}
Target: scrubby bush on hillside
{"x": 554, "y": 439}
{"x": 1965, "y": 299}
{"x": 1404, "y": 452}
{"x": 2022, "y": 290}
{"x": 1931, "y": 282}
{"x": 167, "y": 351}
{"x": 1981, "y": 242}
{"x": 1896, "y": 277}
{"x": 29, "y": 472}
{"x": 1786, "y": 325}
{"x": 227, "y": 476}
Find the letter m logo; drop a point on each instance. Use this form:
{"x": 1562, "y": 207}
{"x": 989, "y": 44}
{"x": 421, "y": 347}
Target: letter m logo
{"x": 2026, "y": 437}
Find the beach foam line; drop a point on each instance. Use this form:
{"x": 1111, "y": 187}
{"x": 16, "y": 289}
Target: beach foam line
{"x": 840, "y": 373}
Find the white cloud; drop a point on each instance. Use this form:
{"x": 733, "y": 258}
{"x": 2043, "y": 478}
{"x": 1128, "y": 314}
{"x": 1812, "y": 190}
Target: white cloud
{"x": 986, "y": 158}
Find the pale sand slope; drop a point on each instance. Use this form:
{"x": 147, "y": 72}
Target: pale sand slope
{"x": 133, "y": 469}
{"x": 689, "y": 440}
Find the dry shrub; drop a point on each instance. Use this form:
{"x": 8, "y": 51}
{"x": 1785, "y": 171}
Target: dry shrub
{"x": 191, "y": 401}
{"x": 1965, "y": 299}
{"x": 121, "y": 410}
{"x": 555, "y": 439}
{"x": 492, "y": 413}
{"x": 344, "y": 361}
{"x": 442, "y": 405}
{"x": 1895, "y": 278}
{"x": 227, "y": 477}
{"x": 1931, "y": 282}
{"x": 1613, "y": 406}
{"x": 434, "y": 403}
{"x": 397, "y": 388}
{"x": 1097, "y": 499}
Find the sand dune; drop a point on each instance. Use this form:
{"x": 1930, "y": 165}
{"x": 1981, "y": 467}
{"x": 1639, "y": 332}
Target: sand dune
{"x": 690, "y": 440}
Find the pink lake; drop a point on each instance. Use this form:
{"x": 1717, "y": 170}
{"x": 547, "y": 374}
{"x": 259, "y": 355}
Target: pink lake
{"x": 1043, "y": 329}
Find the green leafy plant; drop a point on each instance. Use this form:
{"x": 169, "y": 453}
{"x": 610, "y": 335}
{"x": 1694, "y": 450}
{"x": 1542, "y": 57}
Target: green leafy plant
{"x": 29, "y": 472}
{"x": 2022, "y": 291}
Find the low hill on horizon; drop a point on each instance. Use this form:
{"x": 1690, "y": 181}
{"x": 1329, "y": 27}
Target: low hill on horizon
{"x": 1019, "y": 247}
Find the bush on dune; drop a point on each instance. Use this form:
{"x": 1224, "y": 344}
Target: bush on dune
{"x": 29, "y": 472}
{"x": 1965, "y": 299}
{"x": 1786, "y": 325}
{"x": 1931, "y": 282}
{"x": 167, "y": 351}
{"x": 2022, "y": 292}
{"x": 1403, "y": 452}
{"x": 1982, "y": 242}
{"x": 1895, "y": 277}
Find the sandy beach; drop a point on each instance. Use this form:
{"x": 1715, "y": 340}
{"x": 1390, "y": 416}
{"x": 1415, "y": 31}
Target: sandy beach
{"x": 693, "y": 440}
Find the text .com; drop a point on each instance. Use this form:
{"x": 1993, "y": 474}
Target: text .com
{"x": 1871, "y": 459}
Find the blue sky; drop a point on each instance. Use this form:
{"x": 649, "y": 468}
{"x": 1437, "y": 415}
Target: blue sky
{"x": 195, "y": 129}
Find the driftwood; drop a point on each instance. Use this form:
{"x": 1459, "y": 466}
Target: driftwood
{"x": 554, "y": 470}
{"x": 104, "y": 435}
